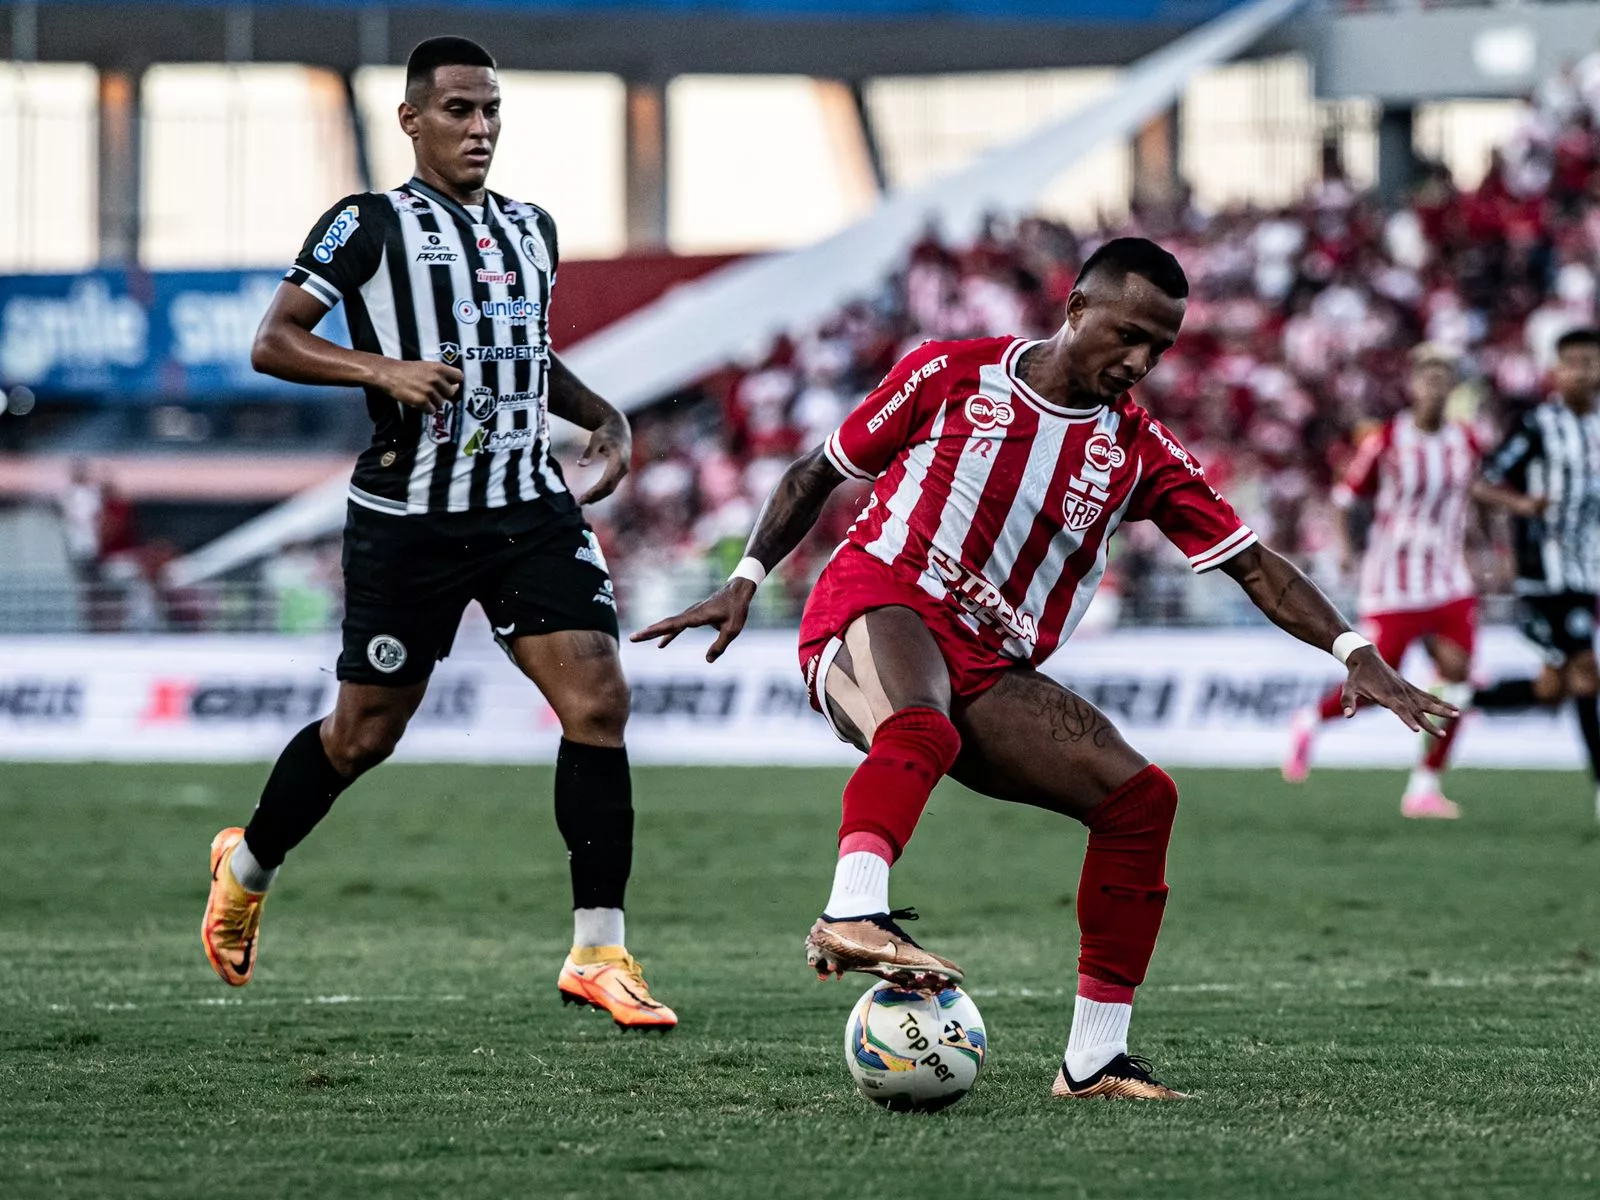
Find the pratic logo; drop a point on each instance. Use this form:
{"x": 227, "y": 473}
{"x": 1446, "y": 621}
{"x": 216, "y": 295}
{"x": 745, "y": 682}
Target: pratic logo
{"x": 233, "y": 701}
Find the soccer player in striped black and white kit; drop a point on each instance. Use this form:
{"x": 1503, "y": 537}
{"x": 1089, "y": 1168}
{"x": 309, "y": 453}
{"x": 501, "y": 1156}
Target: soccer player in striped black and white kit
{"x": 1417, "y": 471}
{"x": 1546, "y": 474}
{"x": 1000, "y": 469}
{"x": 457, "y": 498}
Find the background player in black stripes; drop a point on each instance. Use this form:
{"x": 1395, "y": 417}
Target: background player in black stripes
{"x": 1546, "y": 474}
{"x": 423, "y": 537}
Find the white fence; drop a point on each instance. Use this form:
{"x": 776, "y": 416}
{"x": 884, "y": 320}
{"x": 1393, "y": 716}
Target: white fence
{"x": 1182, "y": 697}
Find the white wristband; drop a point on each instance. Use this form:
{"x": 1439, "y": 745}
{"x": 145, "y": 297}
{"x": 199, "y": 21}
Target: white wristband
{"x": 751, "y": 569}
{"x": 1347, "y": 643}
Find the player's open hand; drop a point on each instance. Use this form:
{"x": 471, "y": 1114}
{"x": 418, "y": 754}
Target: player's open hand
{"x": 1373, "y": 679}
{"x": 425, "y": 385}
{"x": 1529, "y": 506}
{"x": 726, "y": 610}
{"x": 612, "y": 441}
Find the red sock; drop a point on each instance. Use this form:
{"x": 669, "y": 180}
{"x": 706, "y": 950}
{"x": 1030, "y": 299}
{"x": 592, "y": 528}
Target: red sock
{"x": 885, "y": 797}
{"x": 1331, "y": 705}
{"x": 1123, "y": 890}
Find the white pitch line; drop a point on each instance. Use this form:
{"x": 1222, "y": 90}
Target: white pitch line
{"x": 262, "y": 1002}
{"x": 1354, "y": 983}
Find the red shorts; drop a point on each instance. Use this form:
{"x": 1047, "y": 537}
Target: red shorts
{"x": 1393, "y": 632}
{"x": 854, "y": 583}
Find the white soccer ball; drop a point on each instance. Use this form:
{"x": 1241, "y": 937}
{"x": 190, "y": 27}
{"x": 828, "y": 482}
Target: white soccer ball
{"x": 914, "y": 1051}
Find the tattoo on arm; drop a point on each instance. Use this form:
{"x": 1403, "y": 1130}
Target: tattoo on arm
{"x": 1291, "y": 601}
{"x": 792, "y": 508}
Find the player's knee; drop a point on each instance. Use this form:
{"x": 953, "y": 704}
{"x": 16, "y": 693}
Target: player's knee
{"x": 598, "y": 714}
{"x": 1147, "y": 802}
{"x": 357, "y": 746}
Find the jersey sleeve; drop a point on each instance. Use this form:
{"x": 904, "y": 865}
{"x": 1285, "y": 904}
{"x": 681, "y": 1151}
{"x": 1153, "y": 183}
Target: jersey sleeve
{"x": 1360, "y": 479}
{"x": 886, "y": 421}
{"x": 1508, "y": 465}
{"x": 1174, "y": 494}
{"x": 342, "y": 251}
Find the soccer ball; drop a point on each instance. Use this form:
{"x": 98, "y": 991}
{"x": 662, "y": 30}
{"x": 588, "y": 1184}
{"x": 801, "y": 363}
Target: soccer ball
{"x": 914, "y": 1051}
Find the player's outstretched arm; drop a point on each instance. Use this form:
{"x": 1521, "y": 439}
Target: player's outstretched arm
{"x": 1497, "y": 495}
{"x": 286, "y": 348}
{"x": 786, "y": 518}
{"x": 611, "y": 435}
{"x": 1294, "y": 604}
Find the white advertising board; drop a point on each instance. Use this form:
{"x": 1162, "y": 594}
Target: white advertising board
{"x": 1183, "y": 698}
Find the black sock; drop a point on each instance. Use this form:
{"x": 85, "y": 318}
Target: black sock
{"x": 299, "y": 792}
{"x": 594, "y": 811}
{"x": 1508, "y": 693}
{"x": 1589, "y": 723}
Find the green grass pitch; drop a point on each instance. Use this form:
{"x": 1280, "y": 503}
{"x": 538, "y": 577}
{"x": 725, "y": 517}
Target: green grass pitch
{"x": 1364, "y": 1006}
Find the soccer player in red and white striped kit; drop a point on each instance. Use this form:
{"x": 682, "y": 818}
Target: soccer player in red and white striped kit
{"x": 1417, "y": 471}
{"x": 1000, "y": 468}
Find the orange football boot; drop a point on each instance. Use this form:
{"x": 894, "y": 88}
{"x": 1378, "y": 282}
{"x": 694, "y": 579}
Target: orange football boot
{"x": 611, "y": 979}
{"x": 232, "y": 927}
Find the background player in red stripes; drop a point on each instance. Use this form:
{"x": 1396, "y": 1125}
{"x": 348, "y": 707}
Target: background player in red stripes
{"x": 1417, "y": 471}
{"x": 1001, "y": 468}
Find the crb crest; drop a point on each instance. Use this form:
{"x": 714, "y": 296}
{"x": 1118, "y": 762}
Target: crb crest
{"x": 1084, "y": 503}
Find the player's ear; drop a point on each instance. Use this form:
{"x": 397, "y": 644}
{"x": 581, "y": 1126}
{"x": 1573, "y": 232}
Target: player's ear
{"x": 1076, "y": 304}
{"x": 408, "y": 119}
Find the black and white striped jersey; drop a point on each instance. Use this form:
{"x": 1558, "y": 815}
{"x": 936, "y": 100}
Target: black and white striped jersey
{"x": 1554, "y": 453}
{"x": 423, "y": 277}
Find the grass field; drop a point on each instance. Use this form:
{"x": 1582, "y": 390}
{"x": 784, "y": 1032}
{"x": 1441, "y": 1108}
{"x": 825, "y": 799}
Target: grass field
{"x": 1365, "y": 1006}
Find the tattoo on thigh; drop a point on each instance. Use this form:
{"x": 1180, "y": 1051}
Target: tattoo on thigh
{"x": 590, "y": 643}
{"x": 1073, "y": 719}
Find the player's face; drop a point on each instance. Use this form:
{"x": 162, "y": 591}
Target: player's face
{"x": 1577, "y": 374}
{"x": 1430, "y": 389}
{"x": 1118, "y": 331}
{"x": 456, "y": 125}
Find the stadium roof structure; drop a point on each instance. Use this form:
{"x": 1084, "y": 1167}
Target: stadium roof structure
{"x": 637, "y": 39}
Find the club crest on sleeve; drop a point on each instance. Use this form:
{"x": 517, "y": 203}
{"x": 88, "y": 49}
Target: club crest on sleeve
{"x": 534, "y": 249}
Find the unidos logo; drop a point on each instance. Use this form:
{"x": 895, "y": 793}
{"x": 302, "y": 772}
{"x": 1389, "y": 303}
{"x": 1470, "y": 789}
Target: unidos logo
{"x": 986, "y": 413}
{"x": 1103, "y": 454}
{"x": 467, "y": 311}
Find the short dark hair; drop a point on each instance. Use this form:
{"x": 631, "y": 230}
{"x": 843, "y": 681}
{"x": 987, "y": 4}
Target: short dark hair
{"x": 438, "y": 52}
{"x": 1125, "y": 256}
{"x": 1583, "y": 336}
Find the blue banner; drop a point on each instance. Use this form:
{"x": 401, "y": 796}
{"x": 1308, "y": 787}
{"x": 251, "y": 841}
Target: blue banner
{"x": 140, "y": 335}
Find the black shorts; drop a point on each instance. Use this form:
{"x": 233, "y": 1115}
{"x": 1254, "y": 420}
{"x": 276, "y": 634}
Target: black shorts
{"x": 1561, "y": 625}
{"x": 407, "y": 580}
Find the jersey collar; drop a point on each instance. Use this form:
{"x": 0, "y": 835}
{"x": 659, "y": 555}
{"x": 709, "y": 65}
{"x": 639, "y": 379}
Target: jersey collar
{"x": 1009, "y": 361}
{"x": 454, "y": 207}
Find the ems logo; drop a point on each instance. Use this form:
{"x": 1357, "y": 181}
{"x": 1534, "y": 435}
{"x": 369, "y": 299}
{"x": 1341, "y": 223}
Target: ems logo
{"x": 1104, "y": 454}
{"x": 387, "y": 654}
{"x": 535, "y": 251}
{"x": 986, "y": 414}
{"x": 1083, "y": 504}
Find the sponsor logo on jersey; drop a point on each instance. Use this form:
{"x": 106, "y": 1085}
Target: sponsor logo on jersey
{"x": 451, "y": 353}
{"x": 344, "y": 225}
{"x": 433, "y": 250}
{"x": 440, "y": 424}
{"x": 986, "y": 414}
{"x": 1083, "y": 504}
{"x": 484, "y": 275}
{"x": 482, "y": 402}
{"x": 489, "y": 441}
{"x": 605, "y": 596}
{"x": 534, "y": 249}
{"x": 487, "y": 246}
{"x": 516, "y": 310}
{"x": 1177, "y": 451}
{"x": 932, "y": 367}
{"x": 1103, "y": 454}
{"x": 981, "y": 598}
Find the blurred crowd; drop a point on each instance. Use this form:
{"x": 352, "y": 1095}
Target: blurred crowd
{"x": 1297, "y": 329}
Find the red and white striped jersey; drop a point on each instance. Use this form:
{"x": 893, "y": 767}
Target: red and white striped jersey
{"x": 1004, "y": 503}
{"x": 1418, "y": 483}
